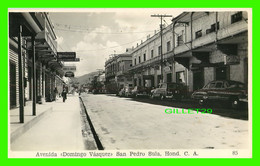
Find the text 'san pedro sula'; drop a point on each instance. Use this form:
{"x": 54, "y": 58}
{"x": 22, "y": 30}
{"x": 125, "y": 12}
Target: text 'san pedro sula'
{"x": 188, "y": 111}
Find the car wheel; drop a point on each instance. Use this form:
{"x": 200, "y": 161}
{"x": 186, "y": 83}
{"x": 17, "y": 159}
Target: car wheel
{"x": 235, "y": 103}
{"x": 162, "y": 97}
{"x": 202, "y": 102}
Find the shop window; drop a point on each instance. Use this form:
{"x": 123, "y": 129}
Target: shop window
{"x": 236, "y": 17}
{"x": 198, "y": 34}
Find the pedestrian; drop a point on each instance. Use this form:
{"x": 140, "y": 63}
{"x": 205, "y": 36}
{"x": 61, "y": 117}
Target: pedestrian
{"x": 56, "y": 92}
{"x": 64, "y": 94}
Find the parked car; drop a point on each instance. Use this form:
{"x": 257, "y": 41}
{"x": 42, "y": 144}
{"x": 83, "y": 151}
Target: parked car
{"x": 125, "y": 92}
{"x": 128, "y": 91}
{"x": 233, "y": 92}
{"x": 140, "y": 91}
{"x": 121, "y": 93}
{"x": 176, "y": 91}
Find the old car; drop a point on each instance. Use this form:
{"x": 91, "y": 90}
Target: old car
{"x": 140, "y": 91}
{"x": 233, "y": 92}
{"x": 176, "y": 91}
{"x": 121, "y": 93}
{"x": 126, "y": 91}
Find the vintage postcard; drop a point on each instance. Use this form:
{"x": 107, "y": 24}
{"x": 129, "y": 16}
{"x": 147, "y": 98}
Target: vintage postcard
{"x": 130, "y": 83}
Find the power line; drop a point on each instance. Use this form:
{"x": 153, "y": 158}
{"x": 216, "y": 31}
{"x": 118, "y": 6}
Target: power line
{"x": 111, "y": 47}
{"x": 110, "y": 33}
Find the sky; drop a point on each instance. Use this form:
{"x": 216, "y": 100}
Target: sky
{"x": 95, "y": 34}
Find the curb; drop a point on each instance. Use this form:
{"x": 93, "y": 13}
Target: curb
{"x": 22, "y": 129}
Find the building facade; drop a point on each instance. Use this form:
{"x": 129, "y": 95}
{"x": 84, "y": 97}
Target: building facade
{"x": 34, "y": 69}
{"x": 116, "y": 72}
{"x": 197, "y": 47}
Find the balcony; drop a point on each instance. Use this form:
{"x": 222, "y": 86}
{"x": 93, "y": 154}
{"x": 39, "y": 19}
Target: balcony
{"x": 182, "y": 48}
{"x": 119, "y": 73}
{"x": 232, "y": 29}
{"x": 147, "y": 63}
{"x": 48, "y": 43}
{"x": 204, "y": 40}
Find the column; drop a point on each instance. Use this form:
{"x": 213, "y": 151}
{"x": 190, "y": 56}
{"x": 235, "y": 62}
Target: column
{"x": 20, "y": 70}
{"x": 34, "y": 77}
{"x": 43, "y": 81}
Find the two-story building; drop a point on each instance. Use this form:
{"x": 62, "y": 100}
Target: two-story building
{"x": 197, "y": 47}
{"x": 211, "y": 46}
{"x": 116, "y": 71}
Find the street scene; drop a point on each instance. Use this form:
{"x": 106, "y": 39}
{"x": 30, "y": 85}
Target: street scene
{"x": 130, "y": 83}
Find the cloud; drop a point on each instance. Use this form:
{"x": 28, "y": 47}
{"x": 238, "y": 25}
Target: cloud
{"x": 59, "y": 40}
{"x": 93, "y": 54}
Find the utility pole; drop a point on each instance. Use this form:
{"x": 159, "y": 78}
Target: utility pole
{"x": 161, "y": 33}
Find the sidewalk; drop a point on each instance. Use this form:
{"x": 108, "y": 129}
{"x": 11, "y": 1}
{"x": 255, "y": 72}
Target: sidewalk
{"x": 57, "y": 126}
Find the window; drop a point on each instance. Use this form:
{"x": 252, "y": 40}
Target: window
{"x": 180, "y": 40}
{"x": 198, "y": 34}
{"x": 212, "y": 28}
{"x": 168, "y": 46}
{"x": 151, "y": 53}
{"x": 210, "y": 85}
{"x": 236, "y": 17}
{"x": 159, "y": 50}
{"x": 144, "y": 57}
{"x": 219, "y": 85}
{"x": 135, "y": 61}
{"x": 139, "y": 59}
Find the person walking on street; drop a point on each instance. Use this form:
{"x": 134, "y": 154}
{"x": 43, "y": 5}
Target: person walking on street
{"x": 64, "y": 94}
{"x": 56, "y": 93}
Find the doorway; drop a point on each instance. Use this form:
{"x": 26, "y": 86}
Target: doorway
{"x": 198, "y": 79}
{"x": 222, "y": 73}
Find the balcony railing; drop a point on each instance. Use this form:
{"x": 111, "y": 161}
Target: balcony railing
{"x": 232, "y": 29}
{"x": 182, "y": 48}
{"x": 146, "y": 63}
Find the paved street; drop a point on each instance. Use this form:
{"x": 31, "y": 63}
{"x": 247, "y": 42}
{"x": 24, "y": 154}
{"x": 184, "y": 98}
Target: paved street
{"x": 123, "y": 123}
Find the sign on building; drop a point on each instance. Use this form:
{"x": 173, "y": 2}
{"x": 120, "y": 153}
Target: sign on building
{"x": 67, "y": 56}
{"x": 69, "y": 74}
{"x": 231, "y": 59}
{"x": 69, "y": 68}
{"x": 167, "y": 69}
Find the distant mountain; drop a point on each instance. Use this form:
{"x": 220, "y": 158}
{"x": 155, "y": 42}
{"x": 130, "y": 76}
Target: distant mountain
{"x": 87, "y": 78}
